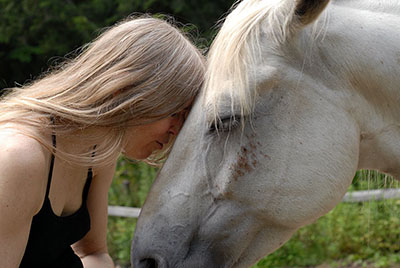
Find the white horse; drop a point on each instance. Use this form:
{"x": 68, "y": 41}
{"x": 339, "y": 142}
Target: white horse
{"x": 299, "y": 95}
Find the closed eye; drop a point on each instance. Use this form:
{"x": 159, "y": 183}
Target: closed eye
{"x": 225, "y": 124}
{"x": 183, "y": 113}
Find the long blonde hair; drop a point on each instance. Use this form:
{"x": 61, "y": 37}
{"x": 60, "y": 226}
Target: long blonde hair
{"x": 138, "y": 71}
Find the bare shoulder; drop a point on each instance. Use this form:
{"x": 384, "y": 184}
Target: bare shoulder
{"x": 104, "y": 174}
{"x": 23, "y": 183}
{"x": 19, "y": 150}
{"x": 23, "y": 170}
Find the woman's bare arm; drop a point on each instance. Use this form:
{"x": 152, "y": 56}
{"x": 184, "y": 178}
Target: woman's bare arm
{"x": 93, "y": 247}
{"x": 22, "y": 189}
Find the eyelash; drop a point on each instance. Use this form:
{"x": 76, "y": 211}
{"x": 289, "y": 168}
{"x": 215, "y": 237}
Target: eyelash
{"x": 184, "y": 111}
{"x": 224, "y": 124}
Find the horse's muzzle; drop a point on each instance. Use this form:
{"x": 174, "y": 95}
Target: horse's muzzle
{"x": 149, "y": 262}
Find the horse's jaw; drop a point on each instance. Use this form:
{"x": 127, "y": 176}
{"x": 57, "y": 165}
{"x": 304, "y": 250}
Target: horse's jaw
{"x": 203, "y": 240}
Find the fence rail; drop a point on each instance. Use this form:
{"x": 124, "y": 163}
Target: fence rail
{"x": 358, "y": 196}
{"x": 127, "y": 212}
{"x": 363, "y": 196}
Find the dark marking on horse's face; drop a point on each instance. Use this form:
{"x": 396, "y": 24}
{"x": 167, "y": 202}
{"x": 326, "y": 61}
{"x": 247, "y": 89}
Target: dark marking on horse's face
{"x": 252, "y": 146}
{"x": 229, "y": 195}
{"x": 246, "y": 161}
{"x": 265, "y": 155}
{"x": 254, "y": 163}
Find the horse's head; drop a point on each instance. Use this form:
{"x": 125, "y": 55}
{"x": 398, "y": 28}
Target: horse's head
{"x": 262, "y": 153}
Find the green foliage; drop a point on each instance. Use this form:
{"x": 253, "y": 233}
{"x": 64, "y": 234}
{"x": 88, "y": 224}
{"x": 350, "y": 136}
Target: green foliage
{"x": 119, "y": 237}
{"x": 32, "y": 32}
{"x": 351, "y": 233}
{"x": 132, "y": 182}
{"x": 368, "y": 179}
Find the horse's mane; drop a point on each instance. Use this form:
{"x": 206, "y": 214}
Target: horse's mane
{"x": 237, "y": 46}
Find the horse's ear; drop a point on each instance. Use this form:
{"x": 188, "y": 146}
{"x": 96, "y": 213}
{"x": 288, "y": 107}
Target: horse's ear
{"x": 308, "y": 10}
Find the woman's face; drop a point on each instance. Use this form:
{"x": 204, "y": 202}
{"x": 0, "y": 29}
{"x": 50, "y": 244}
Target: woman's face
{"x": 143, "y": 140}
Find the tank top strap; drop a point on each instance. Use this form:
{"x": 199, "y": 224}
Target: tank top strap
{"x": 50, "y": 176}
{"x": 87, "y": 185}
{"x": 88, "y": 179}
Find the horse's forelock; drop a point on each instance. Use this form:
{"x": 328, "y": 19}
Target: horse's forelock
{"x": 237, "y": 47}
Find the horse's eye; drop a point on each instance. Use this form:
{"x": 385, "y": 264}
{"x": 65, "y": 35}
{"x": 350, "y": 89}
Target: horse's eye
{"x": 224, "y": 124}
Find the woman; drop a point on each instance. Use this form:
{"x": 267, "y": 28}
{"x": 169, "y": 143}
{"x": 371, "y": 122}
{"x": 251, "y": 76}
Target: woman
{"x": 60, "y": 136}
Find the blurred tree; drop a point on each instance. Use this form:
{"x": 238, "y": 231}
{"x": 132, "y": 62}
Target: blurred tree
{"x": 35, "y": 33}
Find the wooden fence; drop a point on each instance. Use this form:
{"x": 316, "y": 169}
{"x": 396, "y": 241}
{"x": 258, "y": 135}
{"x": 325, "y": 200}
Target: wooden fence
{"x": 358, "y": 196}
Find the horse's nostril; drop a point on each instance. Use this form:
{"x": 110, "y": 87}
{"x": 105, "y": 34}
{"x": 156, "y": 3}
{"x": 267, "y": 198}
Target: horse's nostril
{"x": 148, "y": 263}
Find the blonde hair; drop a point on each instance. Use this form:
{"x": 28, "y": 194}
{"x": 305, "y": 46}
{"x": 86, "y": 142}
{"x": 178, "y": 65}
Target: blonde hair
{"x": 138, "y": 71}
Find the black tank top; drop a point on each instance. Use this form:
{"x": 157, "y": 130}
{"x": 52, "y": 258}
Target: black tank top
{"x": 51, "y": 236}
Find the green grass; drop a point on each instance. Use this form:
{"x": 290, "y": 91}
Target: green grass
{"x": 353, "y": 233}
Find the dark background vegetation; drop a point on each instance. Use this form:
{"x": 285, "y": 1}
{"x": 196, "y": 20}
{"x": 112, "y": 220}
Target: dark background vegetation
{"x": 36, "y": 34}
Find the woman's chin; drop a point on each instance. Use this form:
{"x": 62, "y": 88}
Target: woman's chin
{"x": 145, "y": 152}
{"x": 138, "y": 155}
